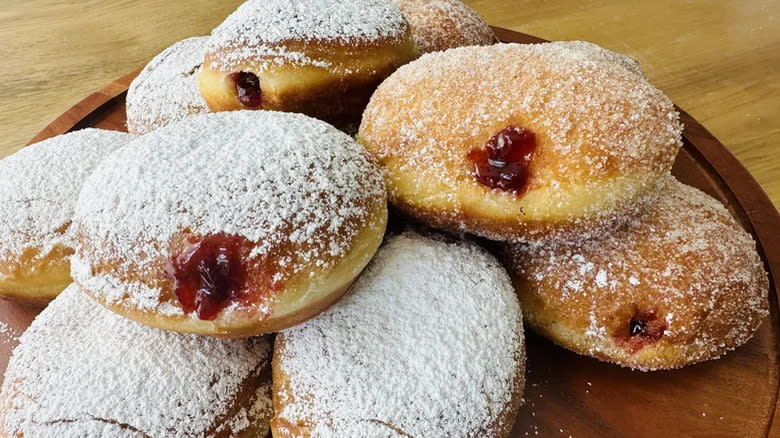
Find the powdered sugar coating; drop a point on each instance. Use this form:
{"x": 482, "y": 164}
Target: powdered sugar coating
{"x": 83, "y": 371}
{"x": 604, "y": 136}
{"x": 261, "y": 28}
{"x": 445, "y": 24}
{"x": 428, "y": 342}
{"x": 39, "y": 186}
{"x": 281, "y": 180}
{"x": 166, "y": 90}
{"x": 585, "y": 51}
{"x": 685, "y": 259}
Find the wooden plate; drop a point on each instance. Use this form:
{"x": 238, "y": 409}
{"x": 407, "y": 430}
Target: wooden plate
{"x": 570, "y": 395}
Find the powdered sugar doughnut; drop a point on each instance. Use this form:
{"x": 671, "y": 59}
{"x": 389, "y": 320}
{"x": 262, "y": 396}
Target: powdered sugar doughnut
{"x": 445, "y": 24}
{"x": 166, "y": 90}
{"x": 428, "y": 349}
{"x": 681, "y": 284}
{"x": 229, "y": 224}
{"x": 323, "y": 58}
{"x": 39, "y": 186}
{"x": 553, "y": 139}
{"x": 82, "y": 371}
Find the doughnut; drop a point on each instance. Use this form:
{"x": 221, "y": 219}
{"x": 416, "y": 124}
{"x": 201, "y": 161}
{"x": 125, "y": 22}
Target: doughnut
{"x": 166, "y": 90}
{"x": 39, "y": 186}
{"x": 433, "y": 349}
{"x": 81, "y": 371}
{"x": 445, "y": 24}
{"x": 553, "y": 140}
{"x": 323, "y": 58}
{"x": 680, "y": 284}
{"x": 229, "y": 224}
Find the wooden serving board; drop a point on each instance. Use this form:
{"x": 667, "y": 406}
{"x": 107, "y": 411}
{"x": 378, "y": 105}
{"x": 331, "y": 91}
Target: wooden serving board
{"x": 570, "y": 395}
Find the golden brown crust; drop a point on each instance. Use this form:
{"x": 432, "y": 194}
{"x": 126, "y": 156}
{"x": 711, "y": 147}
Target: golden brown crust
{"x": 334, "y": 83}
{"x": 39, "y": 186}
{"x": 445, "y": 24}
{"x": 34, "y": 280}
{"x": 604, "y": 138}
{"x": 685, "y": 270}
{"x": 304, "y": 295}
{"x": 283, "y": 396}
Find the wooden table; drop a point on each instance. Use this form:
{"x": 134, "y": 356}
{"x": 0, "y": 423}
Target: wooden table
{"x": 719, "y": 60}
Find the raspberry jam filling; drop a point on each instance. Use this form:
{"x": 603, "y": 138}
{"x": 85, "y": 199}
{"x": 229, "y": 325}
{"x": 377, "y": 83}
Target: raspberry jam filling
{"x": 209, "y": 274}
{"x": 503, "y": 162}
{"x": 644, "y": 328}
{"x": 247, "y": 89}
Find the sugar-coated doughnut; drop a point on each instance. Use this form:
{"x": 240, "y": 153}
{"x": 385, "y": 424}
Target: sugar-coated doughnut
{"x": 39, "y": 186}
{"x": 323, "y": 58}
{"x": 427, "y": 343}
{"x": 81, "y": 371}
{"x": 522, "y": 142}
{"x": 678, "y": 285}
{"x": 166, "y": 90}
{"x": 231, "y": 224}
{"x": 445, "y": 24}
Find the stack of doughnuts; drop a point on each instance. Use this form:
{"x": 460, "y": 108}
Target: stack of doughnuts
{"x": 235, "y": 223}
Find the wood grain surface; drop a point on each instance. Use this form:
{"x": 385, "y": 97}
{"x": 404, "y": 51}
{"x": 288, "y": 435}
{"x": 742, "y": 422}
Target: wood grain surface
{"x": 719, "y": 60}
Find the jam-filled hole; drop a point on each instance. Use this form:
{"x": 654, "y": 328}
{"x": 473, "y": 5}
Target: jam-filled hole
{"x": 503, "y": 162}
{"x": 248, "y": 90}
{"x": 644, "y": 328}
{"x": 209, "y": 274}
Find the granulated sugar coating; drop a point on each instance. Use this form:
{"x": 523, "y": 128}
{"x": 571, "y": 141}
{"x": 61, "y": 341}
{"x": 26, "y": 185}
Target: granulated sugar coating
{"x": 39, "y": 186}
{"x": 427, "y": 343}
{"x": 260, "y": 28}
{"x": 605, "y": 138}
{"x": 167, "y": 89}
{"x": 445, "y": 24}
{"x": 678, "y": 285}
{"x": 298, "y": 189}
{"x": 83, "y": 371}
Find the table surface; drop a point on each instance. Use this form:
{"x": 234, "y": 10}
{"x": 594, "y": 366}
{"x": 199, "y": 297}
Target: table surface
{"x": 718, "y": 60}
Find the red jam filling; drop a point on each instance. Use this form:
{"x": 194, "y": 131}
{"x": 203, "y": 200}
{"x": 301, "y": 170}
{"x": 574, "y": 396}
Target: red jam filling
{"x": 644, "y": 328}
{"x": 247, "y": 89}
{"x": 503, "y": 162}
{"x": 210, "y": 274}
